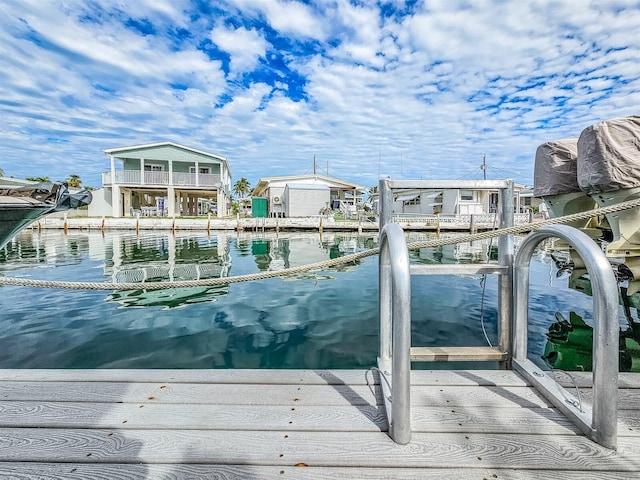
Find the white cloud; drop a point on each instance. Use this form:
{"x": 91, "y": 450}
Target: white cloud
{"x": 287, "y": 17}
{"x": 244, "y": 46}
{"x": 422, "y": 95}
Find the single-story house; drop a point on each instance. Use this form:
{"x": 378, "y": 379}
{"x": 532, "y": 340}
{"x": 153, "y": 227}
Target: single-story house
{"x": 163, "y": 179}
{"x": 447, "y": 201}
{"x": 305, "y": 195}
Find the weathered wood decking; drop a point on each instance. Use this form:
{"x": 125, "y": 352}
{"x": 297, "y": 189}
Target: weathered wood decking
{"x": 246, "y": 424}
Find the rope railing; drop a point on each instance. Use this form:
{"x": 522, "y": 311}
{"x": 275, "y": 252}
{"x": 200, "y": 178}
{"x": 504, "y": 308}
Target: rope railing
{"x": 25, "y": 282}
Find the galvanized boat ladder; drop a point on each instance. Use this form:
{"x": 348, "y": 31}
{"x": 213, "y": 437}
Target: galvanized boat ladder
{"x": 396, "y": 353}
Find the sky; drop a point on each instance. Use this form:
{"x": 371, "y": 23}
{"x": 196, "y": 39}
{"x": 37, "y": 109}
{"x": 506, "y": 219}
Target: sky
{"x": 399, "y": 88}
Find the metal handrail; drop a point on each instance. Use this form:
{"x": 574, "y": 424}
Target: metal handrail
{"x": 600, "y": 423}
{"x": 395, "y": 330}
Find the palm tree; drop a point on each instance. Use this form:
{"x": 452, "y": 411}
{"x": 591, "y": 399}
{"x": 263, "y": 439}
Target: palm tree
{"x": 39, "y": 179}
{"x": 242, "y": 187}
{"x": 1, "y": 173}
{"x": 74, "y": 181}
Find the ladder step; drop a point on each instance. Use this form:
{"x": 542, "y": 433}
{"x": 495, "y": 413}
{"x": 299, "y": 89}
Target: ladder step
{"x": 457, "y": 269}
{"x": 457, "y": 354}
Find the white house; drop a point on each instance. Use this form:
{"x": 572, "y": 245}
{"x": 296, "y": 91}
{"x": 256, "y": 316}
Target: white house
{"x": 447, "y": 202}
{"x": 163, "y": 179}
{"x": 304, "y": 195}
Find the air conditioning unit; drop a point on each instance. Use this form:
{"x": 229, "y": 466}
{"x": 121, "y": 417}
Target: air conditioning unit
{"x": 277, "y": 200}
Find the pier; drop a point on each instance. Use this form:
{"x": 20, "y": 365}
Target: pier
{"x": 302, "y": 424}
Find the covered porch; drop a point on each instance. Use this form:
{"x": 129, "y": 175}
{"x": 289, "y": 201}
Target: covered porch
{"x": 168, "y": 202}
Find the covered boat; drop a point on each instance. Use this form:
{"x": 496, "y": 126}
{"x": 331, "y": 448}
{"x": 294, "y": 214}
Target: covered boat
{"x": 555, "y": 180}
{"x": 20, "y": 206}
{"x": 609, "y": 172}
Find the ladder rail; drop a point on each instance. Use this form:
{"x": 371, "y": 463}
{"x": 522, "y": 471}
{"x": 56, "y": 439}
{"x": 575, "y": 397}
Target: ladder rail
{"x": 395, "y": 330}
{"x": 600, "y": 422}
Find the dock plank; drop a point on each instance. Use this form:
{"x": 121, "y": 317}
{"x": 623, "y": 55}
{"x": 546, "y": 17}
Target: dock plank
{"x": 181, "y": 393}
{"x": 192, "y": 417}
{"x": 268, "y": 377}
{"x": 79, "y": 471}
{"x": 258, "y": 418}
{"x": 344, "y": 449}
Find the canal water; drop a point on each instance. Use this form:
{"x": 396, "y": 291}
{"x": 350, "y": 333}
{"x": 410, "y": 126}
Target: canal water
{"x": 317, "y": 320}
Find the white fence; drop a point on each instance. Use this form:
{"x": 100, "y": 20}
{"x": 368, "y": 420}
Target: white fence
{"x": 133, "y": 177}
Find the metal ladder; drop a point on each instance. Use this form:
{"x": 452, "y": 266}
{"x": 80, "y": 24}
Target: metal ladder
{"x": 396, "y": 353}
{"x": 503, "y": 268}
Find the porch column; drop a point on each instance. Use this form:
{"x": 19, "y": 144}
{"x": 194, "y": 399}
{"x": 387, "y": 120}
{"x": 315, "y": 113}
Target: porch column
{"x": 171, "y": 200}
{"x": 113, "y": 170}
{"x": 221, "y": 203}
{"x": 142, "y": 171}
{"x": 127, "y": 203}
{"x": 197, "y": 175}
{"x": 115, "y": 202}
{"x": 183, "y": 200}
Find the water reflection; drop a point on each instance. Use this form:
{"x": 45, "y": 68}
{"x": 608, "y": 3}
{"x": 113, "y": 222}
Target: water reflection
{"x": 569, "y": 343}
{"x": 166, "y": 258}
{"x": 297, "y": 324}
{"x": 324, "y": 319}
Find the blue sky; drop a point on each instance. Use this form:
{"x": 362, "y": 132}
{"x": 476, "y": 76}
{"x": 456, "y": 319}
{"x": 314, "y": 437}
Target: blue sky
{"x": 399, "y": 88}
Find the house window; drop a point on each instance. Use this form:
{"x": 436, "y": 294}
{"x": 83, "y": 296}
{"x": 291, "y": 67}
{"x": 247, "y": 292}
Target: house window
{"x": 413, "y": 201}
{"x": 466, "y": 195}
{"x": 201, "y": 170}
{"x": 152, "y": 168}
{"x": 527, "y": 201}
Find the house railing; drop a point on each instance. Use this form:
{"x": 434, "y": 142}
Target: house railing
{"x": 462, "y": 219}
{"x": 133, "y": 177}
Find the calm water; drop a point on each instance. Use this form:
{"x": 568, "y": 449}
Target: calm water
{"x": 316, "y": 320}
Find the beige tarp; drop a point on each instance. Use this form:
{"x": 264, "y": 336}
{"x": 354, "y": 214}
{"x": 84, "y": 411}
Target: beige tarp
{"x": 609, "y": 155}
{"x": 556, "y": 169}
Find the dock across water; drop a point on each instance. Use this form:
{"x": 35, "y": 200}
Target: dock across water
{"x": 302, "y": 424}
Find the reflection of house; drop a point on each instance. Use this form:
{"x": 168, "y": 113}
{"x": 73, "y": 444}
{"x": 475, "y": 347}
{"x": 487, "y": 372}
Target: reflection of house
{"x": 304, "y": 195}
{"x": 163, "y": 179}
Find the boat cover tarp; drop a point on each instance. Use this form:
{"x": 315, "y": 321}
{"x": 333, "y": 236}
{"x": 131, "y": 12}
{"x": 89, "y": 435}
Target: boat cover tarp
{"x": 556, "y": 168}
{"x": 609, "y": 155}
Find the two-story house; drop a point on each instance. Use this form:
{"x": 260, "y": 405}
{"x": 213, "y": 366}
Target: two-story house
{"x": 163, "y": 179}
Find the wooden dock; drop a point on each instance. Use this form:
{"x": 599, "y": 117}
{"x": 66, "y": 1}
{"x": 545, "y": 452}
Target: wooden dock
{"x": 302, "y": 424}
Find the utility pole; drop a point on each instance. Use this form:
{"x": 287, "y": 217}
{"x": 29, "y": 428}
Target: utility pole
{"x": 484, "y": 166}
{"x": 314, "y": 164}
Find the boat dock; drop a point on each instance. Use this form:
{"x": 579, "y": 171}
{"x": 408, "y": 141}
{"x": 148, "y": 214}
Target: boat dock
{"x": 302, "y": 424}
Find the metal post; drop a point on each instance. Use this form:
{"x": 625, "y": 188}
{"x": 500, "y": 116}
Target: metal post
{"x": 505, "y": 258}
{"x": 386, "y": 202}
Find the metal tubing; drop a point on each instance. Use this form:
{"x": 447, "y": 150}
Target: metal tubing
{"x": 386, "y": 202}
{"x": 394, "y": 261}
{"x": 604, "y": 423}
{"x": 385, "y": 299}
{"x": 505, "y": 258}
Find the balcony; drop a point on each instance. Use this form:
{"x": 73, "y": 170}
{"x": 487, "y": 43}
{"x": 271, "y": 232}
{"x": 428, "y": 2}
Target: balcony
{"x": 133, "y": 178}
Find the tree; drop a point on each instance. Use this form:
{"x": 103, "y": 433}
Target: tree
{"x": 74, "y": 181}
{"x": 242, "y": 187}
{"x": 39, "y": 179}
{"x": 1, "y": 173}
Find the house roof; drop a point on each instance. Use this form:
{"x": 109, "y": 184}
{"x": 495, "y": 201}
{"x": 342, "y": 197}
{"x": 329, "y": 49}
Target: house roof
{"x": 142, "y": 151}
{"x": 264, "y": 183}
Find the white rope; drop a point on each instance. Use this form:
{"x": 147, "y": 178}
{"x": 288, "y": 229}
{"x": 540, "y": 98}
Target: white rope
{"x": 25, "y": 282}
